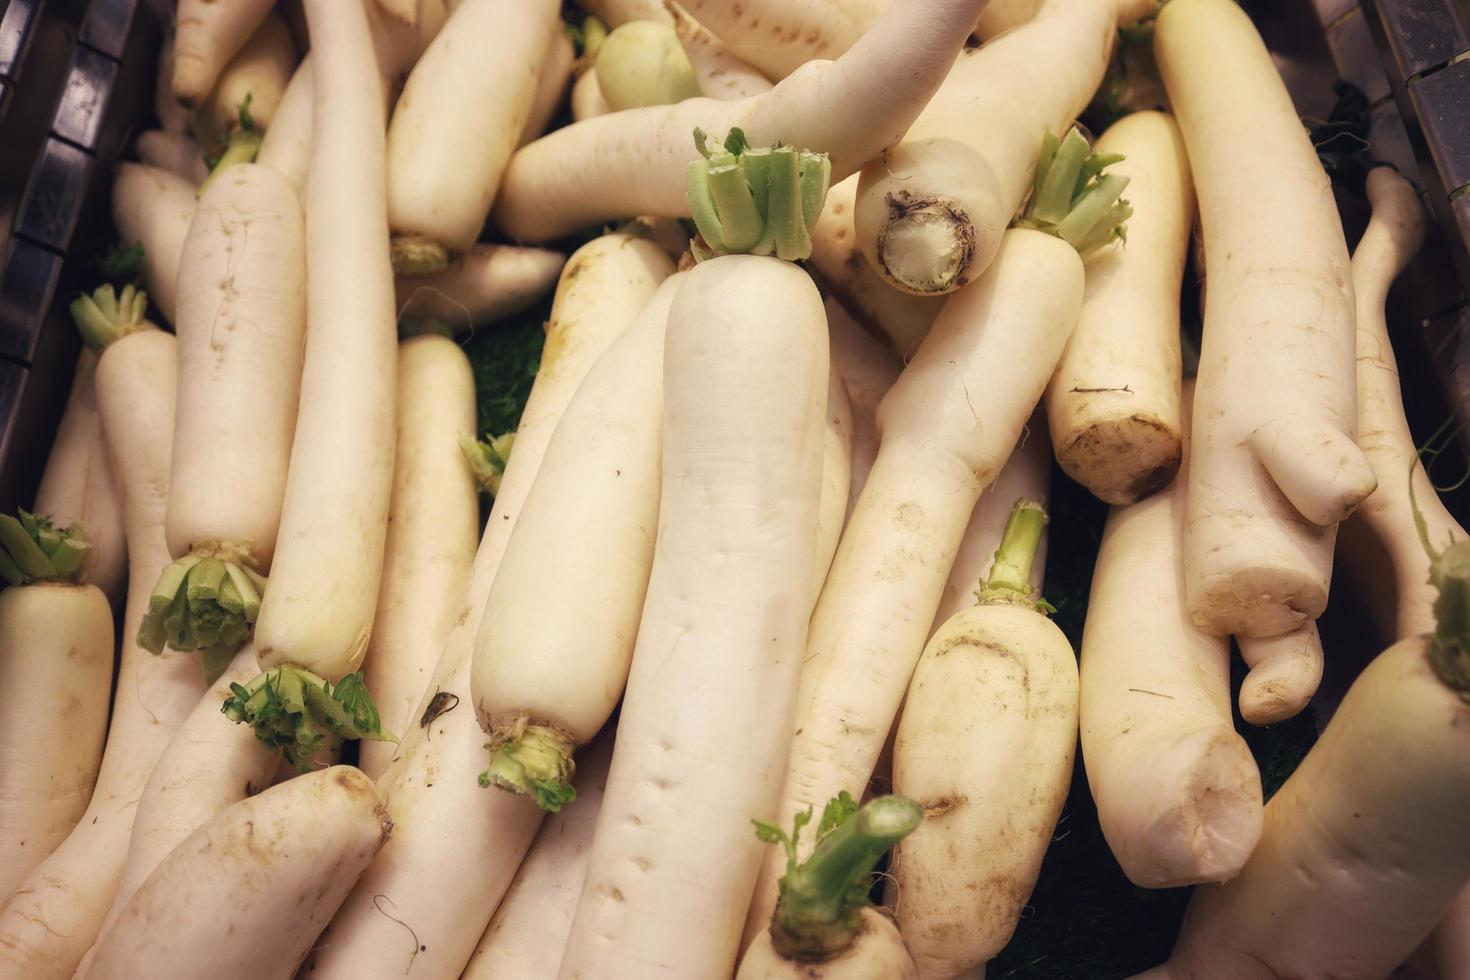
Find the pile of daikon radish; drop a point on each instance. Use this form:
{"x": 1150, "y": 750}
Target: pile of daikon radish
{"x": 844, "y": 279}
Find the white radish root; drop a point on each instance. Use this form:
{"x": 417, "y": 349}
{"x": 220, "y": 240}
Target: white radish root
{"x": 207, "y": 35}
{"x": 174, "y": 152}
{"x": 483, "y": 284}
{"x": 153, "y": 207}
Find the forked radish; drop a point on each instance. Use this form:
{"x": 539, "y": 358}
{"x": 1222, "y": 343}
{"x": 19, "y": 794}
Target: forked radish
{"x": 483, "y": 284}
{"x": 867, "y": 372}
{"x": 551, "y": 86}
{"x": 285, "y": 857}
{"x": 823, "y": 927}
{"x": 153, "y": 208}
{"x": 444, "y": 165}
{"x": 634, "y": 163}
{"x": 720, "y": 73}
{"x": 1274, "y": 466}
{"x": 241, "y": 324}
{"x": 931, "y": 212}
{"x": 207, "y": 35}
{"x": 985, "y": 747}
{"x": 779, "y": 36}
{"x": 1113, "y": 405}
{"x": 707, "y": 716}
{"x": 456, "y": 848}
{"x": 433, "y": 527}
{"x": 1178, "y": 794}
{"x": 48, "y": 923}
{"x": 56, "y": 657}
{"x": 642, "y": 64}
{"x": 256, "y": 78}
{"x": 175, "y": 152}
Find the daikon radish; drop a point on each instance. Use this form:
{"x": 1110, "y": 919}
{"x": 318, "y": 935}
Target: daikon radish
{"x": 404, "y": 10}
{"x": 823, "y": 927}
{"x": 175, "y": 152}
{"x": 931, "y": 211}
{"x": 643, "y": 64}
{"x": 1004, "y": 15}
{"x": 483, "y": 284}
{"x": 433, "y": 528}
{"x": 707, "y": 716}
{"x": 153, "y": 207}
{"x": 867, "y": 372}
{"x": 615, "y": 13}
{"x": 444, "y": 165}
{"x": 457, "y": 847}
{"x": 1178, "y": 794}
{"x": 284, "y": 859}
{"x": 552, "y": 86}
{"x": 587, "y": 100}
{"x": 1274, "y": 467}
{"x": 836, "y": 475}
{"x": 635, "y": 163}
{"x": 56, "y": 659}
{"x": 255, "y": 78}
{"x": 720, "y": 73}
{"x": 1113, "y": 405}
{"x": 172, "y": 117}
{"x": 48, "y": 923}
{"x": 207, "y": 35}
{"x": 525, "y": 939}
{"x": 779, "y": 36}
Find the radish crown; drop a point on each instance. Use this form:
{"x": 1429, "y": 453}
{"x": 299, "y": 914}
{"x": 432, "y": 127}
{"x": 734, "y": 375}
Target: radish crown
{"x": 296, "y": 711}
{"x": 756, "y": 200}
{"x": 1449, "y": 573}
{"x": 488, "y": 459}
{"x": 1074, "y": 199}
{"x": 819, "y": 912}
{"x": 241, "y": 147}
{"x": 534, "y": 761}
{"x": 1010, "y": 575}
{"x": 207, "y": 601}
{"x": 106, "y": 316}
{"x": 32, "y": 549}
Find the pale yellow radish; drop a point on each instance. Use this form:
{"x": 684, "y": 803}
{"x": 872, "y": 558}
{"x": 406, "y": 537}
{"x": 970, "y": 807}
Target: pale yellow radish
{"x": 259, "y": 73}
{"x": 153, "y": 207}
{"x": 482, "y": 284}
{"x": 642, "y": 64}
{"x": 207, "y": 35}
{"x": 176, "y": 152}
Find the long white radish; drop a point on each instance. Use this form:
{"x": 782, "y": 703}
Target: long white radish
{"x": 1274, "y": 467}
{"x": 636, "y": 162}
{"x": 433, "y": 528}
{"x": 444, "y": 165}
{"x": 707, "y": 717}
{"x": 316, "y": 615}
{"x": 823, "y": 927}
{"x": 551, "y": 86}
{"x": 48, "y": 923}
{"x": 779, "y": 36}
{"x": 482, "y": 284}
{"x": 832, "y": 503}
{"x": 283, "y": 860}
{"x": 173, "y": 117}
{"x": 525, "y": 939}
{"x": 256, "y": 79}
{"x": 172, "y": 151}
{"x": 721, "y": 74}
{"x": 1178, "y": 794}
{"x": 587, "y": 100}
{"x": 457, "y": 849}
{"x": 1113, "y": 405}
{"x": 930, "y": 212}
{"x": 867, "y": 372}
{"x": 241, "y": 324}
{"x": 1004, "y": 15}
{"x": 153, "y": 208}
{"x": 207, "y": 35}
{"x": 56, "y": 657}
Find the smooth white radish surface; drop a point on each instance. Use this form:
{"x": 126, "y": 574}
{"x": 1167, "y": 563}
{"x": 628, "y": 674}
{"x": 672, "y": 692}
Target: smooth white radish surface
{"x": 318, "y": 609}
{"x": 946, "y": 428}
{"x": 706, "y": 719}
{"x": 1275, "y": 404}
{"x": 635, "y": 162}
{"x": 525, "y": 939}
{"x": 721, "y": 74}
{"x": 931, "y": 211}
{"x": 47, "y": 925}
{"x": 259, "y": 71}
{"x": 1001, "y": 16}
{"x": 587, "y": 99}
{"x": 154, "y": 207}
{"x": 433, "y": 528}
{"x": 176, "y": 152}
{"x": 286, "y": 145}
{"x": 207, "y": 35}
{"x": 444, "y": 164}
{"x": 836, "y": 475}
{"x": 878, "y": 954}
{"x": 56, "y": 658}
{"x": 551, "y": 86}
{"x": 241, "y": 324}
{"x": 457, "y": 847}
{"x": 1178, "y": 794}
{"x": 482, "y": 284}
{"x": 779, "y": 36}
{"x": 174, "y": 118}
{"x": 1113, "y": 405}
{"x": 272, "y": 868}
{"x": 867, "y": 372}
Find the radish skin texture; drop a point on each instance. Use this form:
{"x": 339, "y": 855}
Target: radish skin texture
{"x": 1113, "y": 405}
{"x": 174, "y": 118}
{"x": 175, "y": 152}
{"x": 319, "y": 608}
{"x": 721, "y": 74}
{"x": 48, "y": 923}
{"x": 433, "y": 529}
{"x": 587, "y": 100}
{"x": 154, "y": 207}
{"x": 456, "y": 848}
{"x": 444, "y": 164}
{"x": 931, "y": 211}
{"x": 779, "y": 36}
{"x": 207, "y": 35}
{"x": 260, "y": 72}
{"x": 878, "y": 954}
{"x": 707, "y": 715}
{"x": 56, "y": 654}
{"x": 615, "y": 13}
{"x": 482, "y": 284}
{"x": 1004, "y": 15}
{"x": 525, "y": 939}
{"x": 836, "y": 475}
{"x": 636, "y": 162}
{"x": 551, "y": 86}
{"x": 901, "y": 320}
{"x": 1275, "y": 404}
{"x": 287, "y": 857}
{"x": 1178, "y": 794}
{"x": 867, "y": 372}
{"x": 946, "y": 429}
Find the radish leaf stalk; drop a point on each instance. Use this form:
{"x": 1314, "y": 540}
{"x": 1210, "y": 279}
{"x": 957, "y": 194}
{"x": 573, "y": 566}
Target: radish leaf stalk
{"x": 534, "y": 761}
{"x": 241, "y": 147}
{"x": 756, "y": 200}
{"x": 205, "y": 602}
{"x": 1074, "y": 198}
{"x": 294, "y": 710}
{"x": 105, "y": 316}
{"x": 488, "y": 458}
{"x": 1010, "y": 577}
{"x": 32, "y": 549}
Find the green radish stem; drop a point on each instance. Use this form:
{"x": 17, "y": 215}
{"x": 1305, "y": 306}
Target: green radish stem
{"x": 756, "y": 200}
{"x": 241, "y": 147}
{"x": 1010, "y": 577}
{"x": 105, "y": 316}
{"x": 294, "y": 711}
{"x": 417, "y": 255}
{"x": 32, "y": 549}
{"x": 488, "y": 458}
{"x": 534, "y": 761}
{"x": 1449, "y": 573}
{"x": 203, "y": 602}
{"x": 819, "y": 912}
{"x": 1074, "y": 199}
